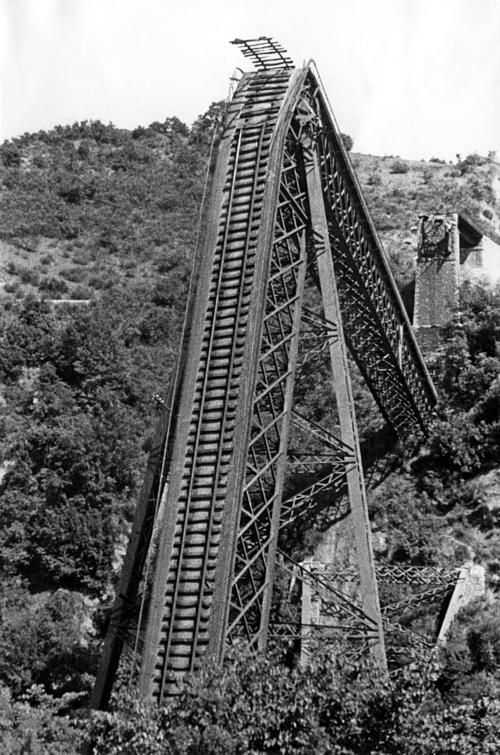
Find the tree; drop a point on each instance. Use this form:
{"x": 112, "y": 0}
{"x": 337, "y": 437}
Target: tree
{"x": 43, "y": 640}
{"x": 258, "y": 706}
{"x": 348, "y": 141}
{"x": 205, "y": 126}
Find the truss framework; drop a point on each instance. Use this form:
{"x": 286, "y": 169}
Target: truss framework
{"x": 424, "y": 590}
{"x": 284, "y": 208}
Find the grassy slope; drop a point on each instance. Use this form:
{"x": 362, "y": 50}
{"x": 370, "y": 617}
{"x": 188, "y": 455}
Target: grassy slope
{"x": 92, "y": 212}
{"x": 90, "y": 209}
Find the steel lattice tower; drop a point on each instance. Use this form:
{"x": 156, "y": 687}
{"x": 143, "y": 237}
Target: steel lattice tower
{"x": 284, "y": 213}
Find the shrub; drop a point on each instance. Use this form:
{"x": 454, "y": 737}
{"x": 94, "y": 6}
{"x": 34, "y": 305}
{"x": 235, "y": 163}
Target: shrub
{"x": 13, "y": 287}
{"x": 138, "y": 132}
{"x": 42, "y": 641}
{"x": 53, "y": 285}
{"x": 36, "y": 725}
{"x": 73, "y": 274}
{"x": 257, "y": 706}
{"x": 374, "y": 179}
{"x": 205, "y": 126}
{"x": 29, "y": 276}
{"x": 102, "y": 281}
{"x": 10, "y": 155}
{"x": 81, "y": 293}
{"x": 399, "y": 166}
{"x": 472, "y": 653}
{"x": 470, "y": 162}
{"x": 347, "y": 141}
{"x": 69, "y": 230}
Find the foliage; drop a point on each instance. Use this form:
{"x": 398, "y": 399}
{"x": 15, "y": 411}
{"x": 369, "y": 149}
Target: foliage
{"x": 466, "y": 439}
{"x": 258, "y": 706}
{"x": 399, "y": 166}
{"x": 98, "y": 213}
{"x": 409, "y": 521}
{"x": 74, "y": 436}
{"x": 470, "y": 162}
{"x": 43, "y": 640}
{"x": 124, "y": 200}
{"x": 471, "y": 657}
{"x": 374, "y": 179}
{"x": 205, "y": 127}
{"x": 36, "y": 725}
{"x": 347, "y": 141}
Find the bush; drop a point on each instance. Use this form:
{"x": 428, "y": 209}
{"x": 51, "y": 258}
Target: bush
{"x": 28, "y": 276}
{"x": 205, "y": 126}
{"x": 470, "y": 162}
{"x": 36, "y": 725}
{"x": 53, "y": 286}
{"x": 460, "y": 445}
{"x": 69, "y": 230}
{"x": 374, "y": 179}
{"x": 257, "y": 706}
{"x": 13, "y": 287}
{"x": 73, "y": 274}
{"x": 42, "y": 640}
{"x": 102, "y": 281}
{"x": 347, "y": 141}
{"x": 471, "y": 656}
{"x": 399, "y": 166}
{"x": 10, "y": 155}
{"x": 81, "y": 293}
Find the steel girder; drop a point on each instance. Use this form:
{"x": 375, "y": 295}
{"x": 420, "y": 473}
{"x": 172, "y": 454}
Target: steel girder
{"x": 410, "y": 595}
{"x": 284, "y": 205}
{"x": 375, "y": 322}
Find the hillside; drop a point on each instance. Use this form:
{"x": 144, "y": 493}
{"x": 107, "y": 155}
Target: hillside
{"x": 98, "y": 230}
{"x": 88, "y": 207}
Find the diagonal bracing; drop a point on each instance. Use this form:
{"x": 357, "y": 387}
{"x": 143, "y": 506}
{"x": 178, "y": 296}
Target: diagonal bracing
{"x": 284, "y": 210}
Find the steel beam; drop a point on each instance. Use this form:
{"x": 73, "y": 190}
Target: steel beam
{"x": 281, "y": 171}
{"x": 343, "y": 392}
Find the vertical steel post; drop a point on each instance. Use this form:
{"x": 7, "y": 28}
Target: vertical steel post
{"x": 345, "y": 403}
{"x": 285, "y": 430}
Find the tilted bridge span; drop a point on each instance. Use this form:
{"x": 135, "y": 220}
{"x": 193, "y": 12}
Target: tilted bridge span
{"x": 284, "y": 215}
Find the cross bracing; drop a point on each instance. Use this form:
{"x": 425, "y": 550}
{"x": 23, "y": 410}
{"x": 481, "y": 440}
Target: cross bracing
{"x": 284, "y": 211}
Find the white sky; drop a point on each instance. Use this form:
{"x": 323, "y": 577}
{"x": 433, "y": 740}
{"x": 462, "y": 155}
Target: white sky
{"x": 416, "y": 78}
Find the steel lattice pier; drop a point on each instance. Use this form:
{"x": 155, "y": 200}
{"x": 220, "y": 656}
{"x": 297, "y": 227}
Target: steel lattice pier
{"x": 284, "y": 211}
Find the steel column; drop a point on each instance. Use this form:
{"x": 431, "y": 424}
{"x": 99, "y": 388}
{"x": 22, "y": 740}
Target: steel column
{"x": 345, "y": 403}
{"x": 281, "y": 171}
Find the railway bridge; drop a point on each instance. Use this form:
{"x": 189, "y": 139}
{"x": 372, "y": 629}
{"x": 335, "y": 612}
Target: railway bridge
{"x": 288, "y": 267}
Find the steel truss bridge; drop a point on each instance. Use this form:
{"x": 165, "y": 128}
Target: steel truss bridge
{"x": 284, "y": 215}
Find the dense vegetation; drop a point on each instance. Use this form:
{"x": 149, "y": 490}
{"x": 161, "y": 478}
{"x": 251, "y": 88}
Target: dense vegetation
{"x": 104, "y": 221}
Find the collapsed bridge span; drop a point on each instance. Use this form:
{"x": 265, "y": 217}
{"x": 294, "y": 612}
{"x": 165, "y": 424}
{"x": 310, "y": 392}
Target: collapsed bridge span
{"x": 284, "y": 212}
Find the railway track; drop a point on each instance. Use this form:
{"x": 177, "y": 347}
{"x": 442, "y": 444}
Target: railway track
{"x": 188, "y": 573}
{"x": 228, "y": 436}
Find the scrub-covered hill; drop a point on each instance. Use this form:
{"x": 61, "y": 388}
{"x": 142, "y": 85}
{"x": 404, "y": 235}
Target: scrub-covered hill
{"x": 98, "y": 228}
{"x": 88, "y": 207}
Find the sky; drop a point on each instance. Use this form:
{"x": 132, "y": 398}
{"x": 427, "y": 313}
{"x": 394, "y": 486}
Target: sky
{"x": 415, "y": 78}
